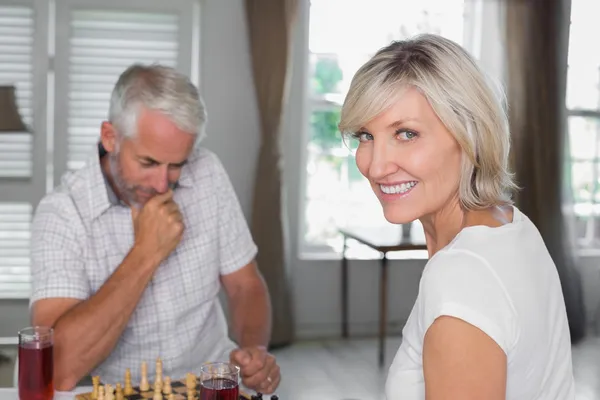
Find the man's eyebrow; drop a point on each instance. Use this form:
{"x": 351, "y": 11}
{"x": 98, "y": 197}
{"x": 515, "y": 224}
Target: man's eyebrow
{"x": 149, "y": 159}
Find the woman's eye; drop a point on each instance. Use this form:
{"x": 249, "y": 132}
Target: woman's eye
{"x": 363, "y": 136}
{"x": 406, "y": 135}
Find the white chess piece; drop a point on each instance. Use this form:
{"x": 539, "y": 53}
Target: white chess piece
{"x": 144, "y": 385}
{"x": 159, "y": 370}
{"x": 157, "y": 391}
{"x": 167, "y": 386}
{"x": 109, "y": 392}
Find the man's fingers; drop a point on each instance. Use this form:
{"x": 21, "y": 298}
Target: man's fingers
{"x": 273, "y": 384}
{"x": 162, "y": 197}
{"x": 253, "y": 367}
{"x": 254, "y": 375}
{"x": 240, "y": 357}
{"x": 172, "y": 208}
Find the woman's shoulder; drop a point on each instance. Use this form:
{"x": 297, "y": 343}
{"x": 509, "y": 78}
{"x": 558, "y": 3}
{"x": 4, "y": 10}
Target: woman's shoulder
{"x": 462, "y": 284}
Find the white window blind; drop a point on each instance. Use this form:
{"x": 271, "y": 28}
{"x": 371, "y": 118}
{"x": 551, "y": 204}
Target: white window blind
{"x": 16, "y": 55}
{"x": 16, "y": 69}
{"x": 102, "y": 44}
{"x": 15, "y": 226}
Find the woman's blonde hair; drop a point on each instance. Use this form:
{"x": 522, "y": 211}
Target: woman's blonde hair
{"x": 459, "y": 94}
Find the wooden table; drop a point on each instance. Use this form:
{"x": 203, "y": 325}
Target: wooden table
{"x": 383, "y": 239}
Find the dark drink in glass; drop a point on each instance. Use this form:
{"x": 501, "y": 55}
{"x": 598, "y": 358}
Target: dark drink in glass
{"x": 36, "y": 345}
{"x": 219, "y": 389}
{"x": 219, "y": 381}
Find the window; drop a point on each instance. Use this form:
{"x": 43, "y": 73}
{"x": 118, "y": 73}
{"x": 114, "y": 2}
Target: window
{"x": 583, "y": 141}
{"x": 94, "y": 41}
{"x": 342, "y": 36}
{"x": 21, "y": 184}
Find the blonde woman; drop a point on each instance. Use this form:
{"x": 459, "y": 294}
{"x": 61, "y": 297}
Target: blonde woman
{"x": 489, "y": 321}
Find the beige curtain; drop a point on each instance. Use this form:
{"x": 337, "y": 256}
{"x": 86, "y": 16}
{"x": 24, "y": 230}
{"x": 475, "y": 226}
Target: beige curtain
{"x": 537, "y": 33}
{"x": 270, "y": 26}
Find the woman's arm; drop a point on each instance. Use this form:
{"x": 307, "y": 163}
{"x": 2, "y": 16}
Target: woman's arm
{"x": 461, "y": 362}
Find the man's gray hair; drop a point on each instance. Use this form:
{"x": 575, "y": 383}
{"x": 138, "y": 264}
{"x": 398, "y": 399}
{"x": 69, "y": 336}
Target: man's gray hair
{"x": 160, "y": 88}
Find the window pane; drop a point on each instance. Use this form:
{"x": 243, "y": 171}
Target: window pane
{"x": 584, "y": 63}
{"x": 583, "y": 138}
{"x": 582, "y": 181}
{"x": 336, "y": 194}
{"x": 325, "y": 134}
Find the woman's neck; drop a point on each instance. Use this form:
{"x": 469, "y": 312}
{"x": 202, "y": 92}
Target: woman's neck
{"x": 442, "y": 226}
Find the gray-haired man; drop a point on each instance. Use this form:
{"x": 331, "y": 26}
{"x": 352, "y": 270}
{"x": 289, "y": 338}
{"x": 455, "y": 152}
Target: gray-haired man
{"x": 130, "y": 252}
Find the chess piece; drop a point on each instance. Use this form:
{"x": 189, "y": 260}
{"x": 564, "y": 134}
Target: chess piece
{"x": 190, "y": 381}
{"x": 109, "y": 393}
{"x": 157, "y": 391}
{"x": 167, "y": 386}
{"x": 101, "y": 393}
{"x": 144, "y": 385}
{"x": 159, "y": 371}
{"x": 96, "y": 383}
{"x": 128, "y": 386}
{"x": 190, "y": 384}
{"x": 119, "y": 392}
{"x": 171, "y": 396}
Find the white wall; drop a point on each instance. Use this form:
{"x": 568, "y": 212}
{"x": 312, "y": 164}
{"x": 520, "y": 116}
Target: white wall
{"x": 227, "y": 86}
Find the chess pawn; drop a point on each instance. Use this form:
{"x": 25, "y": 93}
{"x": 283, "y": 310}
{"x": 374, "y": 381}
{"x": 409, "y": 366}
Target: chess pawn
{"x": 157, "y": 391}
{"x": 190, "y": 381}
{"x": 128, "y": 386}
{"x": 109, "y": 392}
{"x": 101, "y": 393}
{"x": 119, "y": 392}
{"x": 144, "y": 385}
{"x": 167, "y": 386}
{"x": 96, "y": 383}
{"x": 171, "y": 396}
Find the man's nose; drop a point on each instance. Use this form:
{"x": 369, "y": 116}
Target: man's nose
{"x": 161, "y": 180}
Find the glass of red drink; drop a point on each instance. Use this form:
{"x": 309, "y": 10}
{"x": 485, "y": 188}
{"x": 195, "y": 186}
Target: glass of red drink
{"x": 219, "y": 381}
{"x": 36, "y": 359}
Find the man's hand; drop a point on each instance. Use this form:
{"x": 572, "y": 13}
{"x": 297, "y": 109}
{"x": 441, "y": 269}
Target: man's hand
{"x": 258, "y": 368}
{"x": 158, "y": 226}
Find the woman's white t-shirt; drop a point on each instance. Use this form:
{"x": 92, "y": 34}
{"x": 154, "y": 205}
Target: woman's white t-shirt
{"x": 503, "y": 281}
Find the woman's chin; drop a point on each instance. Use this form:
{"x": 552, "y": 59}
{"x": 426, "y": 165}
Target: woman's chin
{"x": 398, "y": 217}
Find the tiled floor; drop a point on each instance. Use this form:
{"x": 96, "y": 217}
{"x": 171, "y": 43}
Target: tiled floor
{"x": 347, "y": 370}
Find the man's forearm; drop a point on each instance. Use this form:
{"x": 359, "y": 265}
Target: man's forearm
{"x": 251, "y": 312}
{"x": 86, "y": 334}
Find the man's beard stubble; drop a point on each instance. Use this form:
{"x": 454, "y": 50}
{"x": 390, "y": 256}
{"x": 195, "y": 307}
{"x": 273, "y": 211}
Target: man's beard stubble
{"x": 126, "y": 191}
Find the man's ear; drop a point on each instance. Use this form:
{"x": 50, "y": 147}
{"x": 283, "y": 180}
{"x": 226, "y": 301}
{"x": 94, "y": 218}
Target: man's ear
{"x": 108, "y": 136}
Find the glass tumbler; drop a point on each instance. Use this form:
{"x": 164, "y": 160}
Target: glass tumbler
{"x": 36, "y": 347}
{"x": 219, "y": 381}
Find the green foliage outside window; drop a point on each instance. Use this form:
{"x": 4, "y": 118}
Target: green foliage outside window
{"x": 327, "y": 76}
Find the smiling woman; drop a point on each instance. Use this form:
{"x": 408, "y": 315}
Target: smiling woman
{"x": 433, "y": 142}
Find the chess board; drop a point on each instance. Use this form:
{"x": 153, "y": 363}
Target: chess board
{"x": 178, "y": 387}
